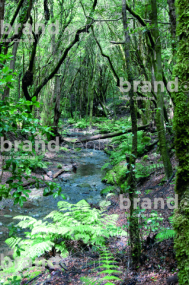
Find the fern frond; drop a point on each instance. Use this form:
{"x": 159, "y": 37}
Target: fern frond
{"x": 26, "y": 221}
{"x": 165, "y": 234}
{"x": 12, "y": 242}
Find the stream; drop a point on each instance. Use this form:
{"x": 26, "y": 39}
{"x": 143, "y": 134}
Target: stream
{"x": 84, "y": 184}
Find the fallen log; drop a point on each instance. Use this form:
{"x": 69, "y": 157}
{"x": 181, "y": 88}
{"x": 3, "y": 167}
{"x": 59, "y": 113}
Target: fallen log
{"x": 110, "y": 135}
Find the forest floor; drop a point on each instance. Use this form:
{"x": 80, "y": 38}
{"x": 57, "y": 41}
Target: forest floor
{"x": 157, "y": 260}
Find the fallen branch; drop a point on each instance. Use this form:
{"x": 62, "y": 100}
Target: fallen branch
{"x": 110, "y": 135}
{"x": 58, "y": 173}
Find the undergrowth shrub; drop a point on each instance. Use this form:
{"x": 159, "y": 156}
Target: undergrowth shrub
{"x": 166, "y": 233}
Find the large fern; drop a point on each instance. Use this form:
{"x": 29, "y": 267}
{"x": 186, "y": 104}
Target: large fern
{"x": 71, "y": 222}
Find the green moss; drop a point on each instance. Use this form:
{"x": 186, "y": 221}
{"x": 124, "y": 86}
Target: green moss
{"x": 59, "y": 166}
{"x": 145, "y": 157}
{"x": 181, "y": 242}
{"x": 181, "y": 128}
{"x": 117, "y": 174}
{"x": 146, "y": 140}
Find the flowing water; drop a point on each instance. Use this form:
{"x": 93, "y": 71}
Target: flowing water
{"x": 84, "y": 184}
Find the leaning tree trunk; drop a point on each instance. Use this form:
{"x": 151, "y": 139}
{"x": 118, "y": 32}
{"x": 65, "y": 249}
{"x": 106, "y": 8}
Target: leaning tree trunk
{"x": 133, "y": 222}
{"x": 181, "y": 128}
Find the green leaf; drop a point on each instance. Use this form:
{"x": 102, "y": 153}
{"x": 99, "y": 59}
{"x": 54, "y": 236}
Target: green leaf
{"x": 34, "y": 99}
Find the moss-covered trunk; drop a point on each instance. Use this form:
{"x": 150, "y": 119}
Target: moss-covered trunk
{"x": 133, "y": 222}
{"x": 159, "y": 93}
{"x": 181, "y": 128}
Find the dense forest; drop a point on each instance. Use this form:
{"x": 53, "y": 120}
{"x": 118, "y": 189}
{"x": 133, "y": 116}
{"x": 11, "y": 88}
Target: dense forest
{"x": 94, "y": 142}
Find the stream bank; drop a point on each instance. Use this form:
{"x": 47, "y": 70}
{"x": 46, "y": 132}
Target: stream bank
{"x": 158, "y": 259}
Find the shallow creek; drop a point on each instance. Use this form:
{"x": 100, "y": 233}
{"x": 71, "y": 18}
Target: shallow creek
{"x": 84, "y": 184}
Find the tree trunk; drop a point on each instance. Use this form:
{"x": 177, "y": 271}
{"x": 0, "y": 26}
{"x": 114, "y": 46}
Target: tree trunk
{"x": 2, "y": 11}
{"x": 57, "y": 111}
{"x": 159, "y": 78}
{"x": 181, "y": 123}
{"x": 172, "y": 16}
{"x": 133, "y": 221}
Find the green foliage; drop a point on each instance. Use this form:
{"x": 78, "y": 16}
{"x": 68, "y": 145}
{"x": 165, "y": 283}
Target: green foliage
{"x": 34, "y": 162}
{"x": 16, "y": 118}
{"x": 64, "y": 149}
{"x": 150, "y": 224}
{"x": 145, "y": 139}
{"x": 71, "y": 222}
{"x": 59, "y": 166}
{"x": 109, "y": 126}
{"x": 165, "y": 234}
{"x": 147, "y": 224}
{"x": 6, "y": 74}
{"x": 145, "y": 157}
{"x": 107, "y": 190}
{"x": 141, "y": 170}
{"x": 118, "y": 173}
{"x": 109, "y": 269}
{"x": 106, "y": 165}
{"x": 82, "y": 124}
{"x": 21, "y": 161}
{"x": 71, "y": 121}
{"x": 97, "y": 120}
{"x": 15, "y": 280}
{"x": 125, "y": 144}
